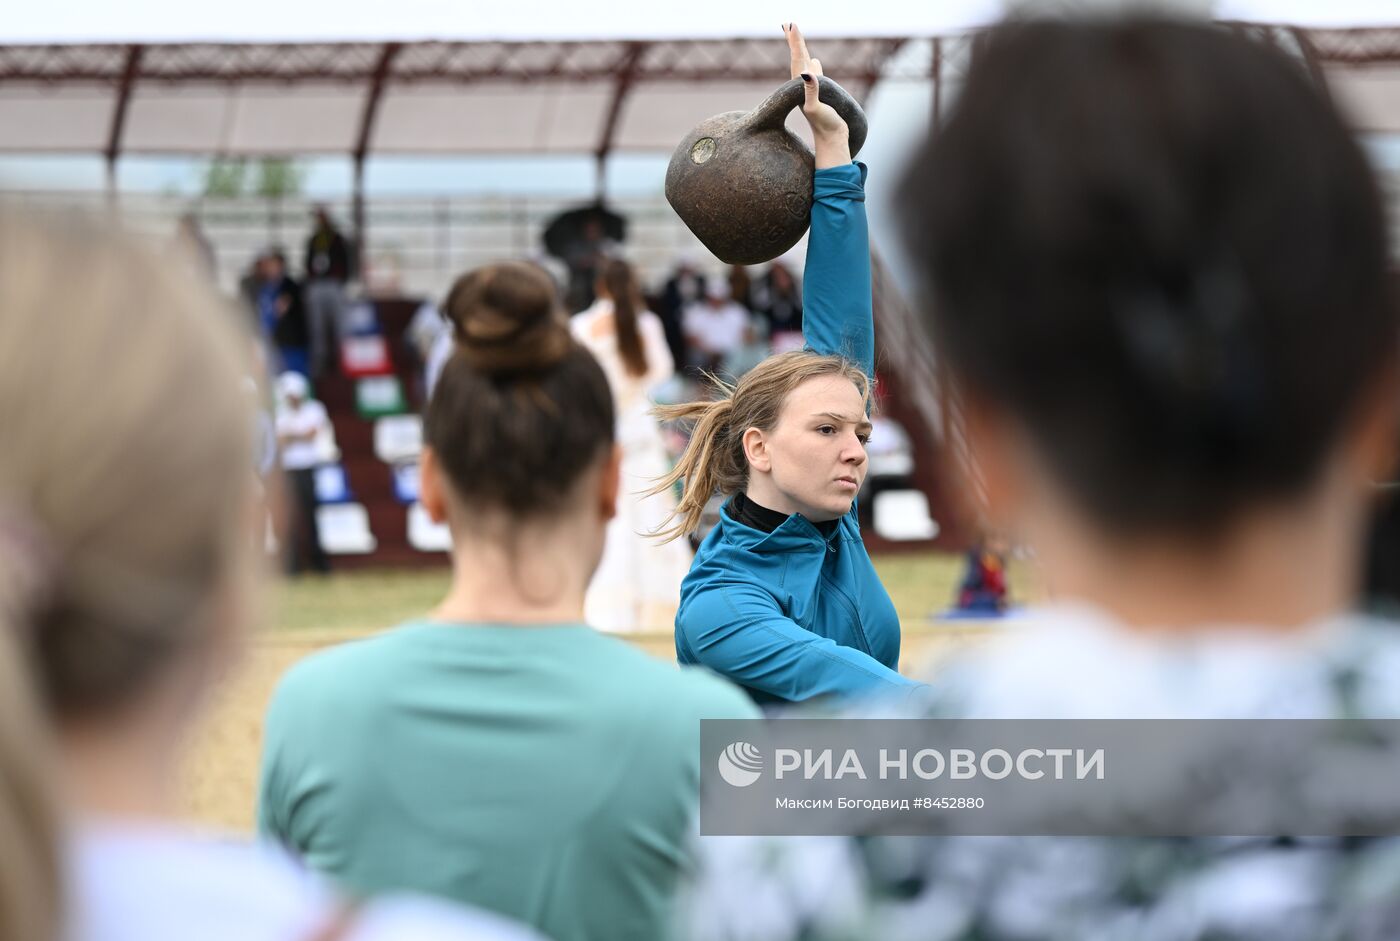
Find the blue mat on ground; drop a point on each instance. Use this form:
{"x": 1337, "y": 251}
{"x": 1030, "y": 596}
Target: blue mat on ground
{"x": 975, "y": 614}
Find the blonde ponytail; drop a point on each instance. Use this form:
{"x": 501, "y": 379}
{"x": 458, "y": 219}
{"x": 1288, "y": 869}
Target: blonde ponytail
{"x": 30, "y": 894}
{"x": 708, "y": 466}
{"x": 125, "y": 483}
{"x": 126, "y": 447}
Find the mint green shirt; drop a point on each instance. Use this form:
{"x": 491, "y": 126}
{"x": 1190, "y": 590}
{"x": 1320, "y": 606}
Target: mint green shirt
{"x": 547, "y": 773}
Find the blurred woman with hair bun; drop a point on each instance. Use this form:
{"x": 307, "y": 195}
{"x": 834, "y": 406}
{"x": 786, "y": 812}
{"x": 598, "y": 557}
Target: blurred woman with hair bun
{"x": 498, "y": 751}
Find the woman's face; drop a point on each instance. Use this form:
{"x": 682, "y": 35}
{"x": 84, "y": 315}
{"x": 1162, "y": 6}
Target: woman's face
{"x": 814, "y": 457}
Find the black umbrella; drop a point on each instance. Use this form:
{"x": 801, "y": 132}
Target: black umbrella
{"x": 567, "y": 234}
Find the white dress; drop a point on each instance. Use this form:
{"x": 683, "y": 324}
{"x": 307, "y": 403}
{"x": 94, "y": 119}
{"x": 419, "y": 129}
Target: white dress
{"x": 637, "y": 585}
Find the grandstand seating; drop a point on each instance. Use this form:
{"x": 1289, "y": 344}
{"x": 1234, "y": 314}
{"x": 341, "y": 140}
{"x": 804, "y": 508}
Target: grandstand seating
{"x": 376, "y": 396}
{"x": 376, "y": 412}
{"x": 425, "y": 535}
{"x": 345, "y": 529}
{"x": 374, "y": 405}
{"x": 333, "y": 485}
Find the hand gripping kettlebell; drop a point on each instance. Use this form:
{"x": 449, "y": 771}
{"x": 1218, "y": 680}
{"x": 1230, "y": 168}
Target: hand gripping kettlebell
{"x": 742, "y": 182}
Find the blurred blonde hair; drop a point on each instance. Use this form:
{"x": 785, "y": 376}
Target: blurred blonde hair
{"x": 714, "y": 460}
{"x": 125, "y": 478}
{"x": 31, "y": 901}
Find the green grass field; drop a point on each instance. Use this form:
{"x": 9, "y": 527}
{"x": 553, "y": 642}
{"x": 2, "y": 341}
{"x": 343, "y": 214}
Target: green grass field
{"x": 920, "y": 584}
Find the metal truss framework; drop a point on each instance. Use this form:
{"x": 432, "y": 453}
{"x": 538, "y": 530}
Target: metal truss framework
{"x": 525, "y": 63}
{"x": 620, "y": 66}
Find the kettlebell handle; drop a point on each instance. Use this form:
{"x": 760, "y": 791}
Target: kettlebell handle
{"x": 774, "y": 110}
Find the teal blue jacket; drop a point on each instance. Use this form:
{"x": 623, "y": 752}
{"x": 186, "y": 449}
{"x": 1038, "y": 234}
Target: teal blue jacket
{"x": 792, "y": 614}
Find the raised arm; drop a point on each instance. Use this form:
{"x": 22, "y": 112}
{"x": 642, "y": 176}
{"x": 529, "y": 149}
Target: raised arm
{"x": 838, "y": 315}
{"x": 838, "y": 312}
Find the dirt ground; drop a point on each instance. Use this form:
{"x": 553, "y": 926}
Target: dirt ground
{"x": 220, "y": 783}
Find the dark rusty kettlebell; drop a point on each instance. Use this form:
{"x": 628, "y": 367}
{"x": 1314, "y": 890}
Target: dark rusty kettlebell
{"x": 742, "y": 182}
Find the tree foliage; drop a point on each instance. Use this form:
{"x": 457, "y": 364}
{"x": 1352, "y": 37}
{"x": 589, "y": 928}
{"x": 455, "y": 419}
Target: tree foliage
{"x": 270, "y": 177}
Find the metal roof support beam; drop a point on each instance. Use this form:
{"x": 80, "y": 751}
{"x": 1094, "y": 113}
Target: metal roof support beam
{"x": 170, "y": 65}
{"x": 371, "y": 110}
{"x": 676, "y": 60}
{"x": 936, "y": 72}
{"x": 130, "y": 72}
{"x": 1370, "y": 46}
{"x": 626, "y": 78}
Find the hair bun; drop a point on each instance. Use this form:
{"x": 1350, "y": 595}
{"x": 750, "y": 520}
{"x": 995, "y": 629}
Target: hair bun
{"x": 506, "y": 320}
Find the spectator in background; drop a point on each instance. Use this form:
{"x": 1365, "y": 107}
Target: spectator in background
{"x": 683, "y": 288}
{"x": 302, "y": 423}
{"x": 741, "y": 286}
{"x": 584, "y": 260}
{"x": 777, "y": 298}
{"x": 715, "y": 327}
{"x": 329, "y": 266}
{"x": 430, "y": 335}
{"x": 637, "y": 584}
{"x": 555, "y": 268}
{"x": 755, "y": 348}
{"x": 983, "y": 587}
{"x": 276, "y": 301}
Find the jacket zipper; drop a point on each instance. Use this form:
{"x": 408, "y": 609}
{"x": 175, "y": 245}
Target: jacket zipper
{"x": 840, "y": 592}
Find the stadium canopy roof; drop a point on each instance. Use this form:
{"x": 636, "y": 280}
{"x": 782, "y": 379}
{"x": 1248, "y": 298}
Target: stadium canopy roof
{"x": 483, "y": 96}
{"x": 522, "y": 77}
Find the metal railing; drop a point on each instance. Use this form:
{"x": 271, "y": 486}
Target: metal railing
{"x": 416, "y": 245}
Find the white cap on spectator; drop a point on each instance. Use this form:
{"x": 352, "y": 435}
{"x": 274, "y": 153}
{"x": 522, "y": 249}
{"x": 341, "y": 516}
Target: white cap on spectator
{"x": 717, "y": 287}
{"x": 293, "y": 385}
